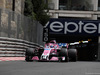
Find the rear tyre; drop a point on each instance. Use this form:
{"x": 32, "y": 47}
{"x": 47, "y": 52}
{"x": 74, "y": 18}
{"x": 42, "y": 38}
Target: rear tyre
{"x": 63, "y": 53}
{"x": 72, "y": 54}
{"x": 66, "y": 59}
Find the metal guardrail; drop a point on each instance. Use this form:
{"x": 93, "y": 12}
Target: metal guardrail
{"x": 15, "y": 47}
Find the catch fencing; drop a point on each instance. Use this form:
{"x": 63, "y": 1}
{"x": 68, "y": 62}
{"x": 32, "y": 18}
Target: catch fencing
{"x": 15, "y": 30}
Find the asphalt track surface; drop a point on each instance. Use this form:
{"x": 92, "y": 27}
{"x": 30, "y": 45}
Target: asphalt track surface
{"x": 49, "y": 68}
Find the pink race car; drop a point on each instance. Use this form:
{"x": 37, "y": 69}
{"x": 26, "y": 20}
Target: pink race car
{"x": 51, "y": 52}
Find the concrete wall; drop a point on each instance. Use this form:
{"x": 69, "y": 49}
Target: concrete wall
{"x": 14, "y": 25}
{"x": 7, "y": 4}
{"x": 19, "y": 6}
{"x": 56, "y": 7}
{"x": 2, "y": 3}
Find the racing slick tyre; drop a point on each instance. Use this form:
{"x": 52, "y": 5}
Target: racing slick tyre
{"x": 30, "y": 51}
{"x": 72, "y": 54}
{"x": 63, "y": 53}
{"x": 29, "y": 54}
{"x": 28, "y": 58}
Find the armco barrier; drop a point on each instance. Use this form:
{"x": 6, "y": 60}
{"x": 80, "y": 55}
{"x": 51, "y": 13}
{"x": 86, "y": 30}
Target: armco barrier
{"x": 15, "y": 47}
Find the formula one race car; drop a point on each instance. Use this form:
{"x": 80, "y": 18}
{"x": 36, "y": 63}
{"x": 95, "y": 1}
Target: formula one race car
{"x": 51, "y": 52}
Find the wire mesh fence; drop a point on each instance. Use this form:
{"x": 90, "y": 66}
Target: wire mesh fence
{"x": 15, "y": 25}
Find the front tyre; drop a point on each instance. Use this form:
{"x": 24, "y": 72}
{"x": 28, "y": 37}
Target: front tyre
{"x": 28, "y": 58}
{"x": 29, "y": 54}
